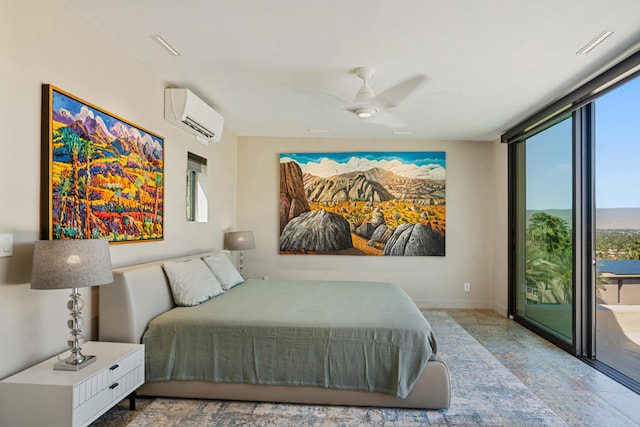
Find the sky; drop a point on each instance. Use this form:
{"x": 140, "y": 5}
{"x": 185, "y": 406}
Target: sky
{"x": 79, "y": 111}
{"x": 617, "y": 141}
{"x": 410, "y": 164}
{"x": 618, "y": 147}
{"x": 549, "y": 171}
{"x": 62, "y": 101}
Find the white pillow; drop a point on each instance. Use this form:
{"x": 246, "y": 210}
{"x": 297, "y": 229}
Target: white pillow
{"x": 224, "y": 270}
{"x": 191, "y": 282}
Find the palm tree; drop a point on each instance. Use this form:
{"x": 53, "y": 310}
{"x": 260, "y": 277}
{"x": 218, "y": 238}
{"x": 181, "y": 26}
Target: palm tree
{"x": 88, "y": 149}
{"x": 74, "y": 145}
{"x": 550, "y": 258}
{"x": 157, "y": 197}
{"x": 562, "y": 284}
{"x": 139, "y": 182}
{"x": 635, "y": 250}
{"x": 552, "y": 233}
{"x": 538, "y": 269}
{"x": 64, "y": 189}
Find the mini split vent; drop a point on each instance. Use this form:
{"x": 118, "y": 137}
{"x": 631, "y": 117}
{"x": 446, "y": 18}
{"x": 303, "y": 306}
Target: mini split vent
{"x": 185, "y": 110}
{"x": 198, "y": 127}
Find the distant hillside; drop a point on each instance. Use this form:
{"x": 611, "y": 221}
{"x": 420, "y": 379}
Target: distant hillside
{"x": 606, "y": 218}
{"x": 375, "y": 184}
{"x": 618, "y": 218}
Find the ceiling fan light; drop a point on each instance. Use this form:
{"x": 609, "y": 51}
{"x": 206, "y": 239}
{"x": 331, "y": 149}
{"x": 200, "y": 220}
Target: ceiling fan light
{"x": 365, "y": 113}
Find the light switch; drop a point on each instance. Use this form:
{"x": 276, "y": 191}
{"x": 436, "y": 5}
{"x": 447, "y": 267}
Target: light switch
{"x": 6, "y": 245}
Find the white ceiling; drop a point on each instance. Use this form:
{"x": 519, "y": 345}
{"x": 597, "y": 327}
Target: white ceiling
{"x": 263, "y": 64}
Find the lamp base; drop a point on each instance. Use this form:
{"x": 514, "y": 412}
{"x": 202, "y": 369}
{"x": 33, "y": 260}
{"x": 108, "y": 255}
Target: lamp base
{"x": 241, "y": 264}
{"x": 71, "y": 365}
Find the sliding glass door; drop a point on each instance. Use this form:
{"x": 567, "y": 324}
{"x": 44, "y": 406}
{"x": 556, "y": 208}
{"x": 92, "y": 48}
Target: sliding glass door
{"x": 617, "y": 229}
{"x": 574, "y": 221}
{"x": 544, "y": 231}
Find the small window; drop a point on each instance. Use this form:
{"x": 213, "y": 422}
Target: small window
{"x": 196, "y": 188}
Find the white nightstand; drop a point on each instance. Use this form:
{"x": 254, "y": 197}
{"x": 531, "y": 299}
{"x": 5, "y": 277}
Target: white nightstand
{"x": 41, "y": 396}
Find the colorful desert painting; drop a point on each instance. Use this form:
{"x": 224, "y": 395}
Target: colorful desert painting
{"x": 363, "y": 203}
{"x": 105, "y": 175}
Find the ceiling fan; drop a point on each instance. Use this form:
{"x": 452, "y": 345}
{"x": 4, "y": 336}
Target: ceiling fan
{"x": 367, "y": 105}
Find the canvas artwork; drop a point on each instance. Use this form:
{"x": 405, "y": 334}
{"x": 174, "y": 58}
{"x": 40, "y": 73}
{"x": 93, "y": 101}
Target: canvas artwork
{"x": 363, "y": 203}
{"x": 102, "y": 176}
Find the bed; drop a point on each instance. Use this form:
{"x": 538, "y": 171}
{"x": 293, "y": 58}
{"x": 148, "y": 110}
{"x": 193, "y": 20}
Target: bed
{"x": 278, "y": 341}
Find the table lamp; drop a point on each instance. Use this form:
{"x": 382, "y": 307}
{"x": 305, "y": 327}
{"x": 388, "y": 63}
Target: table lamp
{"x": 239, "y": 241}
{"x": 72, "y": 264}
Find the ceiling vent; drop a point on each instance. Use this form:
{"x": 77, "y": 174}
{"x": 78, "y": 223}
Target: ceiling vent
{"x": 185, "y": 110}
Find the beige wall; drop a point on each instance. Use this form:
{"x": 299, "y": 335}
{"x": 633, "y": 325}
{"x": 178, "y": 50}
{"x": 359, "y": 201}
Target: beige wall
{"x": 40, "y": 43}
{"x": 475, "y": 220}
{"x": 627, "y": 294}
{"x": 44, "y": 42}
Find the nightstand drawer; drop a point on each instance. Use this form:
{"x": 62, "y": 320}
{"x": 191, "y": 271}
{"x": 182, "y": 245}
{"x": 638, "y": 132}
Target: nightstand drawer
{"x": 114, "y": 393}
{"x": 124, "y": 366}
{"x": 89, "y": 388}
{"x": 108, "y": 386}
{"x": 106, "y": 378}
{"x": 92, "y": 406}
{"x": 127, "y": 383}
{"x": 69, "y": 398}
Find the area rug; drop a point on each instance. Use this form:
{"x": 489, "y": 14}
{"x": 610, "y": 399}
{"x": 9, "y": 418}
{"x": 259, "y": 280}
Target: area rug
{"x": 484, "y": 393}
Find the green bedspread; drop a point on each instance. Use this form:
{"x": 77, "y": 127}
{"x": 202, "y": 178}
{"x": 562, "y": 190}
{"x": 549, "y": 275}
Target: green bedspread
{"x": 365, "y": 336}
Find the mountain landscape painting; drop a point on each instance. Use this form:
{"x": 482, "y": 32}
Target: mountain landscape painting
{"x": 103, "y": 177}
{"x": 363, "y": 203}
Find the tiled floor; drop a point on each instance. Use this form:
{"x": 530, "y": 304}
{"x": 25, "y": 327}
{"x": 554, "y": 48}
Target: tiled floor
{"x": 552, "y": 388}
{"x": 576, "y": 392}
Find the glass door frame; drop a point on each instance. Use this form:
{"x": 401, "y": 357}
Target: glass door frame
{"x": 584, "y": 214}
{"x": 589, "y": 354}
{"x": 580, "y": 104}
{"x": 517, "y": 209}
{"x": 584, "y": 242}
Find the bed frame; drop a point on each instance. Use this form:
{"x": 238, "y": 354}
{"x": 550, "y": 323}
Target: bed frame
{"x": 141, "y": 292}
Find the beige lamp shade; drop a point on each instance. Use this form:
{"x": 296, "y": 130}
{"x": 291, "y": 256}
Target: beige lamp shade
{"x": 239, "y": 241}
{"x": 63, "y": 264}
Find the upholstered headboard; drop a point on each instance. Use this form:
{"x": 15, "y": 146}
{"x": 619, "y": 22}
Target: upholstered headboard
{"x": 138, "y": 294}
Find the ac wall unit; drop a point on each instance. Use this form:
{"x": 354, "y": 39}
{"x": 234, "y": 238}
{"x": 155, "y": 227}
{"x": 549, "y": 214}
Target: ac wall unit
{"x": 190, "y": 113}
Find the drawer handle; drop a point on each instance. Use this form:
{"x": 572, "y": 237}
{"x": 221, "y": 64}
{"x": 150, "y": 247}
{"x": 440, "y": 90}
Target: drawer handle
{"x": 114, "y": 367}
{"x": 114, "y": 385}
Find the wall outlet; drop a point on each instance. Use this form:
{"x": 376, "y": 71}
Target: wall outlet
{"x": 467, "y": 287}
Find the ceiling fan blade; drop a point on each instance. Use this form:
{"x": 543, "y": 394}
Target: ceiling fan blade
{"x": 326, "y": 98}
{"x": 384, "y": 118}
{"x": 393, "y": 96}
{"x": 444, "y": 94}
